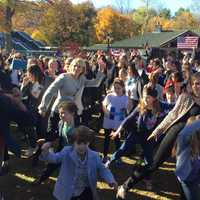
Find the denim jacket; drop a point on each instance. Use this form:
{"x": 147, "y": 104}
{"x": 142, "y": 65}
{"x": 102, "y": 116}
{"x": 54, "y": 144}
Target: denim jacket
{"x": 65, "y": 183}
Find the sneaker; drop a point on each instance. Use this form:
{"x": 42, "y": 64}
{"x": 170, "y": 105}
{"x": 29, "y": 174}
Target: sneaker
{"x": 30, "y": 152}
{"x": 140, "y": 162}
{"x": 121, "y": 192}
{"x": 105, "y": 159}
{"x": 107, "y": 164}
{"x": 4, "y": 168}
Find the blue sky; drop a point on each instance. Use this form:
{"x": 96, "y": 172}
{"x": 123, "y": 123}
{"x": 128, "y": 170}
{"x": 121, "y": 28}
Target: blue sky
{"x": 173, "y": 5}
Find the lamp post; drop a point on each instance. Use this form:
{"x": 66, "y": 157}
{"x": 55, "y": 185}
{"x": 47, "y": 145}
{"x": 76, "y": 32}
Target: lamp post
{"x": 108, "y": 38}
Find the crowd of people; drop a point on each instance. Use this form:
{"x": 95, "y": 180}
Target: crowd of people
{"x": 148, "y": 103}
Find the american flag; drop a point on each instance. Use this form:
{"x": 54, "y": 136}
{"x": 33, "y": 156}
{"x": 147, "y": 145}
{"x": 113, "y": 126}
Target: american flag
{"x": 188, "y": 42}
{"x": 115, "y": 52}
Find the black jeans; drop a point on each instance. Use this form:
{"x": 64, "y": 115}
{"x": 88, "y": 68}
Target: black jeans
{"x": 48, "y": 171}
{"x": 85, "y": 195}
{"x": 52, "y": 129}
{"x": 161, "y": 155}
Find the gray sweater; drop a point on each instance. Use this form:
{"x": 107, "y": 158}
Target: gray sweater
{"x": 68, "y": 89}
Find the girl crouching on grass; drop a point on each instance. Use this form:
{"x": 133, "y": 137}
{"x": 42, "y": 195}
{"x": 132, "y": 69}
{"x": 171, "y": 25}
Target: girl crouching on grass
{"x": 77, "y": 179}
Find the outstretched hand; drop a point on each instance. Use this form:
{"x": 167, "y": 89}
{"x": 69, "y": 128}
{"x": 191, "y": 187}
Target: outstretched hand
{"x": 152, "y": 136}
{"x": 46, "y": 146}
{"x": 114, "y": 134}
{"x": 42, "y": 113}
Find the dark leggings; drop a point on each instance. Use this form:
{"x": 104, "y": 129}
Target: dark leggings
{"x": 48, "y": 171}
{"x": 51, "y": 135}
{"x": 50, "y": 168}
{"x": 107, "y": 142}
{"x": 161, "y": 155}
{"x": 52, "y": 129}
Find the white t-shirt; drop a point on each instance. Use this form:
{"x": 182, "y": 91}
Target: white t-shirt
{"x": 117, "y": 107}
{"x": 131, "y": 85}
{"x": 36, "y": 89}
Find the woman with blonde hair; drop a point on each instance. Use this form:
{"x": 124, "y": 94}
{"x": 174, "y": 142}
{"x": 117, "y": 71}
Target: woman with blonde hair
{"x": 68, "y": 87}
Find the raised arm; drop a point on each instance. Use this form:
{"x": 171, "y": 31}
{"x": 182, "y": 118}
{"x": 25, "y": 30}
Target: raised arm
{"x": 95, "y": 82}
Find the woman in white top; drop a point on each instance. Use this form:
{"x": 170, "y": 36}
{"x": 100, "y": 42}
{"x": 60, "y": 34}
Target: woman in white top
{"x": 133, "y": 84}
{"x": 32, "y": 89}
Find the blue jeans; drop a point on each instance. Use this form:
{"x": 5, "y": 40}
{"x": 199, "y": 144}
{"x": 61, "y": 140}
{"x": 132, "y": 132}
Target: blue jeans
{"x": 191, "y": 190}
{"x": 130, "y": 142}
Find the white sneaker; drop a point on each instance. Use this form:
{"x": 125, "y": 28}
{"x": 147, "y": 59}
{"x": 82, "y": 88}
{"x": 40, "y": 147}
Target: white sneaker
{"x": 107, "y": 164}
{"x": 30, "y": 151}
{"x": 121, "y": 192}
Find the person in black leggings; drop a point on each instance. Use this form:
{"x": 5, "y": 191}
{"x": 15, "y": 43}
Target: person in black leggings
{"x": 186, "y": 106}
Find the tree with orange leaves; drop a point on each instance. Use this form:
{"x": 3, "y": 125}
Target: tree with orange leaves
{"x": 186, "y": 20}
{"x": 117, "y": 25}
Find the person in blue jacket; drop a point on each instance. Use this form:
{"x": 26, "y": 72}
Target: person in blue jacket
{"x": 79, "y": 166}
{"x": 188, "y": 160}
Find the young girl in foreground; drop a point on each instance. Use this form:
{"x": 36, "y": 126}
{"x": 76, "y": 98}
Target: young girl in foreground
{"x": 77, "y": 179}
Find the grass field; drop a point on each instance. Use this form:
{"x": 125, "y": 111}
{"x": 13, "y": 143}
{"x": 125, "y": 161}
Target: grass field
{"x": 16, "y": 185}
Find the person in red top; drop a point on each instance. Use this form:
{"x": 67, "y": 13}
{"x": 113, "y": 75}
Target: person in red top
{"x": 175, "y": 80}
{"x": 154, "y": 66}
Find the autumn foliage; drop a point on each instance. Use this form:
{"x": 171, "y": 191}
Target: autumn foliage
{"x": 60, "y": 22}
{"x": 110, "y": 21}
